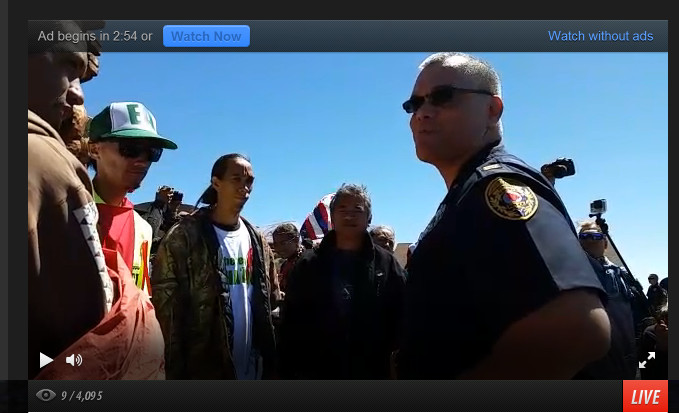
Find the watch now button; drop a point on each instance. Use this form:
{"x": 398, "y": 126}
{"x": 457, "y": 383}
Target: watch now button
{"x": 206, "y": 36}
{"x": 644, "y": 395}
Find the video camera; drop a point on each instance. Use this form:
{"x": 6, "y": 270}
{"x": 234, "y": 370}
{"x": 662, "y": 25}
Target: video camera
{"x": 597, "y": 207}
{"x": 560, "y": 168}
{"x": 177, "y": 196}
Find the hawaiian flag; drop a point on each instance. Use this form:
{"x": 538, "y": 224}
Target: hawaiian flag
{"x": 318, "y": 223}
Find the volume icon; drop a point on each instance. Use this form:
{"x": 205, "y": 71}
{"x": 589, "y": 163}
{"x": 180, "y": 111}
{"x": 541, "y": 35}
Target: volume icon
{"x": 74, "y": 359}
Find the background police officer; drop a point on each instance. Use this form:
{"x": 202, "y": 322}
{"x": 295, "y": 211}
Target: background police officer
{"x": 620, "y": 361}
{"x": 657, "y": 296}
{"x": 499, "y": 286}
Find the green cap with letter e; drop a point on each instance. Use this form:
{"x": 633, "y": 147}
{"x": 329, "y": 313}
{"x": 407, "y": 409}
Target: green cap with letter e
{"x": 130, "y": 120}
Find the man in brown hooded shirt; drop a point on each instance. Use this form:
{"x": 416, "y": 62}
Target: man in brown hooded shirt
{"x": 70, "y": 289}
{"x": 82, "y": 299}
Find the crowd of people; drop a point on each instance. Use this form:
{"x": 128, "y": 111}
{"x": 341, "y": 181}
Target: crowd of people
{"x": 500, "y": 285}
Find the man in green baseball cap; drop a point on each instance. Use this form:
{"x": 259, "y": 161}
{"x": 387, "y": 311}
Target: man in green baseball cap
{"x": 124, "y": 142}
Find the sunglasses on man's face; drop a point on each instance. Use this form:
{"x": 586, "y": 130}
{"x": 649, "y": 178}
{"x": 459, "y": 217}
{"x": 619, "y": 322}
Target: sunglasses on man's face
{"x": 594, "y": 236}
{"x": 439, "y": 96}
{"x": 133, "y": 149}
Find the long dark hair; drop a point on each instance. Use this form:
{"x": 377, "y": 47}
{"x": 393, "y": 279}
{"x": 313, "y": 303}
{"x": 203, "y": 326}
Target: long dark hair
{"x": 209, "y": 196}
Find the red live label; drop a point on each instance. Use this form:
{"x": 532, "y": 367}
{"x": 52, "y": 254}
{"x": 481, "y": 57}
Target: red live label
{"x": 644, "y": 395}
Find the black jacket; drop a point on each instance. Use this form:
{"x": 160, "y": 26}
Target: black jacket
{"x": 657, "y": 296}
{"x": 654, "y": 368}
{"x": 161, "y": 220}
{"x": 317, "y": 342}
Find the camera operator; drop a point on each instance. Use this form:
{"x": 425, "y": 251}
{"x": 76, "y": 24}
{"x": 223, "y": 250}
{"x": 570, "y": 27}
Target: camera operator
{"x": 163, "y": 213}
{"x": 620, "y": 305}
{"x": 639, "y": 302}
{"x": 657, "y": 296}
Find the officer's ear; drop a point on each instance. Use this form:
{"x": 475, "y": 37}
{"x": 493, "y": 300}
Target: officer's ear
{"x": 495, "y": 109}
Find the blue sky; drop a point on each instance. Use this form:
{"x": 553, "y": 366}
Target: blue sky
{"x": 311, "y": 121}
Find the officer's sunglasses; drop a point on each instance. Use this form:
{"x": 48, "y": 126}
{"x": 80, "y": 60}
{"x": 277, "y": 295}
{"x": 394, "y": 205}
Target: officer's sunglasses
{"x": 134, "y": 148}
{"x": 595, "y": 236}
{"x": 439, "y": 96}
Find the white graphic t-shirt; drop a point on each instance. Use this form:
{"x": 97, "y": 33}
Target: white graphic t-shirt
{"x": 235, "y": 260}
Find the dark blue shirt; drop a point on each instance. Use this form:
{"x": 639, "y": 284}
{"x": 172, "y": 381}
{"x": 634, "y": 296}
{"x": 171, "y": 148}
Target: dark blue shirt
{"x": 497, "y": 249}
{"x": 613, "y": 282}
{"x": 344, "y": 270}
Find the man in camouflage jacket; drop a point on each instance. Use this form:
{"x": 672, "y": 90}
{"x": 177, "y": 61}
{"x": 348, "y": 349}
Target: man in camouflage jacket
{"x": 190, "y": 302}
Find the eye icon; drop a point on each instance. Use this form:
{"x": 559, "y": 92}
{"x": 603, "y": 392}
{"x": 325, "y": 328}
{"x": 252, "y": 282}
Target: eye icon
{"x": 45, "y": 395}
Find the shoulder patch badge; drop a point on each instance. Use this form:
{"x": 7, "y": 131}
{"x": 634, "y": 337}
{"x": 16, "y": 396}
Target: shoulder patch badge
{"x": 511, "y": 199}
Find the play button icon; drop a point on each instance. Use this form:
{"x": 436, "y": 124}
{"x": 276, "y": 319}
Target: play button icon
{"x": 44, "y": 360}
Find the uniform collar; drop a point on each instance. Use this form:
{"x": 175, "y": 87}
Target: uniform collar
{"x": 605, "y": 261}
{"x": 476, "y": 160}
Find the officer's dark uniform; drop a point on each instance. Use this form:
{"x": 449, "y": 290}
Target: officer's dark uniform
{"x": 500, "y": 246}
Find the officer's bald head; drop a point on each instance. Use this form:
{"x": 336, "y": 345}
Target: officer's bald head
{"x": 478, "y": 72}
{"x": 456, "y": 109}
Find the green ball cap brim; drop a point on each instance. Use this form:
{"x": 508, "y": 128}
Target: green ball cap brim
{"x": 140, "y": 134}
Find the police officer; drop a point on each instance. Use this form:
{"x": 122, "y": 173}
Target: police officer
{"x": 620, "y": 306}
{"x": 657, "y": 296}
{"x": 499, "y": 287}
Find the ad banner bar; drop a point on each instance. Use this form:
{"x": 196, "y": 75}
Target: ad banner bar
{"x": 365, "y": 35}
